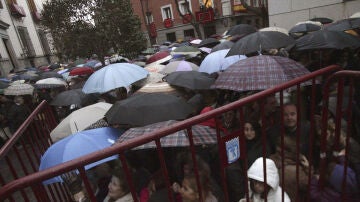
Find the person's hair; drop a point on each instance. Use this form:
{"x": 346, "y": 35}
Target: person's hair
{"x": 158, "y": 179}
{"x": 204, "y": 183}
{"x": 186, "y": 159}
{"x": 289, "y": 104}
{"x": 119, "y": 173}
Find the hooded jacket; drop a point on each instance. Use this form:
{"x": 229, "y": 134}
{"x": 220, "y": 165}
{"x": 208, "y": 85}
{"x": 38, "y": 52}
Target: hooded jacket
{"x": 256, "y": 172}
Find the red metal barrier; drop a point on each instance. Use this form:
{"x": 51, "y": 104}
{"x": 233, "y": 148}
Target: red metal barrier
{"x": 59, "y": 193}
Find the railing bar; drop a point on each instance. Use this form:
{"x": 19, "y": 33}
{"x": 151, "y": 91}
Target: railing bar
{"x": 86, "y": 182}
{"x": 298, "y": 132}
{"x": 128, "y": 176}
{"x": 263, "y": 135}
{"x": 12, "y": 170}
{"x": 282, "y": 133}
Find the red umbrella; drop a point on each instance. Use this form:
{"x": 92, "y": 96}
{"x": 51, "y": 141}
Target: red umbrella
{"x": 158, "y": 56}
{"x": 259, "y": 73}
{"x": 81, "y": 71}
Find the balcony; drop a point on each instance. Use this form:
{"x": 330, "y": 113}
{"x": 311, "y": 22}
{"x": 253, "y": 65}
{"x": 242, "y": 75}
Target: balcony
{"x": 205, "y": 16}
{"x": 17, "y": 11}
{"x": 187, "y": 18}
{"x": 168, "y": 23}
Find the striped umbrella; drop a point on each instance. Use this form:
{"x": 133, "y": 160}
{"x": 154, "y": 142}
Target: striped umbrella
{"x": 202, "y": 135}
{"x": 50, "y": 83}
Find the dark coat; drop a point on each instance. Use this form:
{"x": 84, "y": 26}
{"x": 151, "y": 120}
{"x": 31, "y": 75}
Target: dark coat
{"x": 17, "y": 114}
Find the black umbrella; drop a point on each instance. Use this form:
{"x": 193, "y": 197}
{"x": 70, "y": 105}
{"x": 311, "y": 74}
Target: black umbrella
{"x": 304, "y": 28}
{"x": 260, "y": 41}
{"x": 325, "y": 39}
{"x": 190, "y": 79}
{"x": 208, "y": 43}
{"x": 322, "y": 20}
{"x": 75, "y": 96}
{"x": 3, "y": 85}
{"x": 222, "y": 46}
{"x": 343, "y": 25}
{"x": 241, "y": 29}
{"x": 144, "y": 109}
{"x": 50, "y": 74}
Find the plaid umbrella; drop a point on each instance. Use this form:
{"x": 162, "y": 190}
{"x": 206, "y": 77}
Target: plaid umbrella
{"x": 19, "y": 89}
{"x": 202, "y": 135}
{"x": 50, "y": 83}
{"x": 259, "y": 73}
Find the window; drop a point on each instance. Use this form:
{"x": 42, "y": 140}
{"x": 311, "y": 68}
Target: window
{"x": 166, "y": 12}
{"x": 207, "y": 3}
{"x": 189, "y": 33}
{"x": 185, "y": 7}
{"x": 44, "y": 42}
{"x": 149, "y": 19}
{"x": 26, "y": 41}
{"x": 226, "y": 7}
{"x": 238, "y": 2}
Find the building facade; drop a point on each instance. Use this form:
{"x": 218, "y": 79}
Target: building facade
{"x": 286, "y": 13}
{"x": 24, "y": 42}
{"x": 161, "y": 20}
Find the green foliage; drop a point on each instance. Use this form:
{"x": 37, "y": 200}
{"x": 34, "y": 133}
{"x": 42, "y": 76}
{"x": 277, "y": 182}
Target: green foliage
{"x": 82, "y": 27}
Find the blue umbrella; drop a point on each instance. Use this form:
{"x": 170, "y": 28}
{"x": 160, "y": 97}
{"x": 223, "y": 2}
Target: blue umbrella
{"x": 114, "y": 76}
{"x": 217, "y": 61}
{"x": 78, "y": 145}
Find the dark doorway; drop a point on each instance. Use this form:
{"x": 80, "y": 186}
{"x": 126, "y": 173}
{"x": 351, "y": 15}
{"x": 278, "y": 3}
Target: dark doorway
{"x": 171, "y": 37}
{"x": 189, "y": 33}
{"x": 10, "y": 52}
{"x": 209, "y": 30}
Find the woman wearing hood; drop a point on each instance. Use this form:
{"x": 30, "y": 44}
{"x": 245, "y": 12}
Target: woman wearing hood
{"x": 258, "y": 190}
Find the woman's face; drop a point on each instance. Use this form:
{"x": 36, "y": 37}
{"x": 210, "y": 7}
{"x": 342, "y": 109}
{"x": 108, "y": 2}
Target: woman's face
{"x": 115, "y": 190}
{"x": 188, "y": 194}
{"x": 259, "y": 187}
{"x": 249, "y": 131}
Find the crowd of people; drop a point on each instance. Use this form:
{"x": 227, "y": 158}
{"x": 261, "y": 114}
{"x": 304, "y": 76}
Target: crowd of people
{"x": 297, "y": 157}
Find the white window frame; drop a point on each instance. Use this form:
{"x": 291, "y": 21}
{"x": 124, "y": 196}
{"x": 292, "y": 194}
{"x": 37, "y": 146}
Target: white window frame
{"x": 149, "y": 19}
{"x": 182, "y": 7}
{"x": 228, "y": 11}
{"x": 163, "y": 14}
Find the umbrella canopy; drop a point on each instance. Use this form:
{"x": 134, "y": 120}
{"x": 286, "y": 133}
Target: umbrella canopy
{"x": 355, "y": 15}
{"x": 185, "y": 50}
{"x": 196, "y": 41}
{"x": 19, "y": 89}
{"x": 162, "y": 87}
{"x": 50, "y": 83}
{"x": 176, "y": 66}
{"x": 46, "y": 75}
{"x": 93, "y": 63}
{"x": 81, "y": 71}
{"x": 209, "y": 43}
{"x": 159, "y": 57}
{"x": 345, "y": 24}
{"x": 154, "y": 68}
{"x": 114, "y": 76}
{"x": 3, "y": 85}
{"x": 190, "y": 79}
{"x": 274, "y": 29}
{"x": 202, "y": 135}
{"x": 78, "y": 120}
{"x": 222, "y": 46}
{"x": 148, "y": 51}
{"x": 322, "y": 20}
{"x": 216, "y": 61}
{"x": 78, "y": 145}
{"x": 259, "y": 73}
{"x": 260, "y": 41}
{"x": 304, "y": 28}
{"x": 75, "y": 96}
{"x": 241, "y": 29}
{"x": 28, "y": 76}
{"x": 144, "y": 109}
{"x": 324, "y": 39}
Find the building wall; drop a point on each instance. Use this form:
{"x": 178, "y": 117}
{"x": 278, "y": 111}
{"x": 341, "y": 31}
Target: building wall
{"x": 286, "y": 13}
{"x": 12, "y": 36}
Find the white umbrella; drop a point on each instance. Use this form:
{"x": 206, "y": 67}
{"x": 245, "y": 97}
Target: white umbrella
{"x": 19, "y": 89}
{"x": 79, "y": 120}
{"x": 50, "y": 83}
{"x": 276, "y": 29}
{"x": 355, "y": 15}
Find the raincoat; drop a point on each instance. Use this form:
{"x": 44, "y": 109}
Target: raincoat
{"x": 256, "y": 172}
